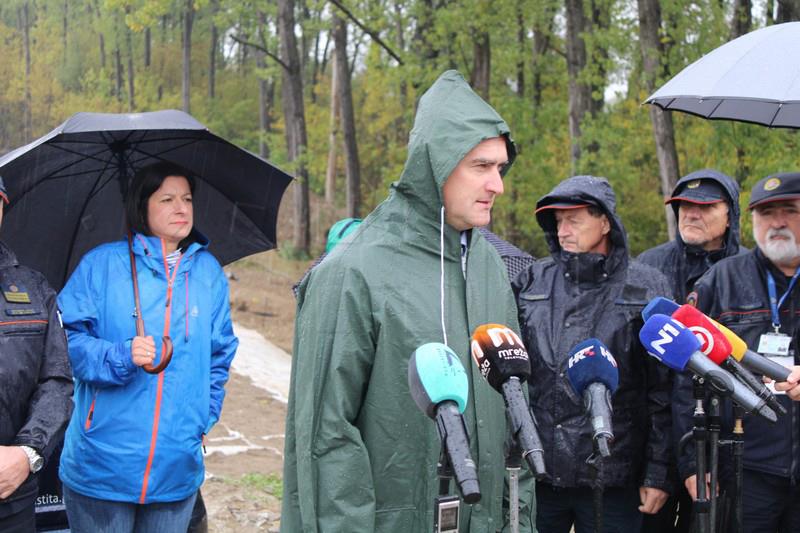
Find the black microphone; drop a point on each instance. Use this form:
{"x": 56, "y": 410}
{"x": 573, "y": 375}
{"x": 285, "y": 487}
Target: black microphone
{"x": 503, "y": 361}
{"x": 593, "y": 373}
{"x": 440, "y": 388}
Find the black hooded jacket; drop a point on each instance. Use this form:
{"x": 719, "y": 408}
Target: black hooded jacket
{"x": 682, "y": 263}
{"x": 568, "y": 298}
{"x": 35, "y": 376}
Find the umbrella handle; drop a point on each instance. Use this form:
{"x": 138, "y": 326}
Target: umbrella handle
{"x": 166, "y": 342}
{"x": 166, "y": 357}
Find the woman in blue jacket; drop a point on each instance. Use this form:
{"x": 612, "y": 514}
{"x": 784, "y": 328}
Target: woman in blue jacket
{"x": 132, "y": 458}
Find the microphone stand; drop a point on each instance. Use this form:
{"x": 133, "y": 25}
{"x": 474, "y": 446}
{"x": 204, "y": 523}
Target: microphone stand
{"x": 445, "y": 503}
{"x": 738, "y": 466}
{"x": 714, "y": 422}
{"x": 595, "y": 462}
{"x": 700, "y": 437}
{"x": 513, "y": 466}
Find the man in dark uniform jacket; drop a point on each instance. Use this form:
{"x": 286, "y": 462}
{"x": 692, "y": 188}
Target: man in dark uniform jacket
{"x": 706, "y": 205}
{"x": 590, "y": 287}
{"x": 754, "y": 295}
{"x": 35, "y": 385}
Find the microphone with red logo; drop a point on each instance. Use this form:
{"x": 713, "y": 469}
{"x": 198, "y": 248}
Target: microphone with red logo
{"x": 715, "y": 343}
{"x": 503, "y": 361}
{"x": 593, "y": 373}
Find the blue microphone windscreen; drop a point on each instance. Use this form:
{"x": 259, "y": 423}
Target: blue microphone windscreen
{"x": 669, "y": 341}
{"x": 659, "y": 306}
{"x": 591, "y": 362}
{"x": 435, "y": 374}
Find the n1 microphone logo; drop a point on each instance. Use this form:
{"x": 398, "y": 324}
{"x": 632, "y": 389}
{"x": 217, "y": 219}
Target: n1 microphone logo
{"x": 667, "y": 334}
{"x": 705, "y": 338}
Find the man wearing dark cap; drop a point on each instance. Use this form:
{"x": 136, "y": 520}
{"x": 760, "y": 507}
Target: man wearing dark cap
{"x": 35, "y": 385}
{"x": 706, "y": 205}
{"x": 754, "y": 295}
{"x": 590, "y": 288}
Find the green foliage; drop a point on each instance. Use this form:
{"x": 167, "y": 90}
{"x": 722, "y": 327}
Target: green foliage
{"x": 270, "y": 483}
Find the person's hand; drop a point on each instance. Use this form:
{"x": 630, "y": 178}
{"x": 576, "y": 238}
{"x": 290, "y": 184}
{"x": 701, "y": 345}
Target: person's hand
{"x": 652, "y": 500}
{"x": 14, "y": 469}
{"x": 792, "y": 384}
{"x": 143, "y": 350}
{"x": 691, "y": 485}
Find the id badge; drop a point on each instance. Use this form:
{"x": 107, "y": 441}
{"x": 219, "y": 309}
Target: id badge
{"x": 776, "y": 347}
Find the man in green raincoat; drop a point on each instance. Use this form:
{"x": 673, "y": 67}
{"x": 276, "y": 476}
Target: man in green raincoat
{"x": 360, "y": 456}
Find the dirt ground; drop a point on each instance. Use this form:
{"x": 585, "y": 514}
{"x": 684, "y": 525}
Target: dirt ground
{"x": 243, "y": 488}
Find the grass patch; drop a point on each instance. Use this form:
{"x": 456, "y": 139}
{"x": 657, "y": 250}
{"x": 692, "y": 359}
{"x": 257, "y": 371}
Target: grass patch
{"x": 270, "y": 483}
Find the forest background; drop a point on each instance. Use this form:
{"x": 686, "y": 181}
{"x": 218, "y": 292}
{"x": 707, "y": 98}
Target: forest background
{"x": 569, "y": 76}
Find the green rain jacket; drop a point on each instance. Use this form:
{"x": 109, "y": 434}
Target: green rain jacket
{"x": 360, "y": 456}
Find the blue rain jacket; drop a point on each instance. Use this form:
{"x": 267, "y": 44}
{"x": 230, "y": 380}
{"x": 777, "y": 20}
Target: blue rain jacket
{"x": 136, "y": 437}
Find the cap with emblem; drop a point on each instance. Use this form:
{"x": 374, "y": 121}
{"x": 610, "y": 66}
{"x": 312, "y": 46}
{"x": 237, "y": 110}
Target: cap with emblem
{"x": 699, "y": 191}
{"x": 773, "y": 188}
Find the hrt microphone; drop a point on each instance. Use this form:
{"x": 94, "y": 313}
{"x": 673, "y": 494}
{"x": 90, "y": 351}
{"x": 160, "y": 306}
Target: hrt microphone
{"x": 671, "y": 343}
{"x": 440, "y": 388}
{"x": 593, "y": 373}
{"x": 503, "y": 361}
{"x": 715, "y": 344}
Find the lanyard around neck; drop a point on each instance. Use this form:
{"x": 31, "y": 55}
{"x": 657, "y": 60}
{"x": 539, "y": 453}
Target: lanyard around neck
{"x": 776, "y": 304}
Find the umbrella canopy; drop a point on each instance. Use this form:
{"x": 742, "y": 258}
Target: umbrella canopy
{"x": 67, "y": 188}
{"x": 750, "y": 79}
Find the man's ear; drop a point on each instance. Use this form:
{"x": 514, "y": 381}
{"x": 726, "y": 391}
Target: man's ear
{"x": 606, "y": 225}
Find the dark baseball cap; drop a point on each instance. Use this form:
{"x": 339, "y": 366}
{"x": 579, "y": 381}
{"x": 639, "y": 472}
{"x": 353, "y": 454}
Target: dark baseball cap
{"x": 774, "y": 188}
{"x": 699, "y": 191}
{"x": 563, "y": 205}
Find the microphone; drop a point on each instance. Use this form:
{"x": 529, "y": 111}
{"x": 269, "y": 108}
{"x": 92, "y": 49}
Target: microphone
{"x": 503, "y": 361}
{"x": 440, "y": 388}
{"x": 659, "y": 306}
{"x": 671, "y": 343}
{"x": 716, "y": 345}
{"x": 755, "y": 361}
{"x": 593, "y": 373}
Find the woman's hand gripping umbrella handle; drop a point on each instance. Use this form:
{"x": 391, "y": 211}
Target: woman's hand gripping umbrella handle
{"x": 166, "y": 342}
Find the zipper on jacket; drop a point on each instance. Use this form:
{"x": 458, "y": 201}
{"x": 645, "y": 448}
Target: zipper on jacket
{"x": 160, "y": 385}
{"x": 90, "y": 415}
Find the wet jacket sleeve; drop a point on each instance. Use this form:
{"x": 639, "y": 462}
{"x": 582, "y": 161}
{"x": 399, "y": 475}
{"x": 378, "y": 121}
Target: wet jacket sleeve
{"x": 96, "y": 361}
{"x": 658, "y": 472}
{"x": 334, "y": 352}
{"x": 50, "y": 406}
{"x": 223, "y": 348}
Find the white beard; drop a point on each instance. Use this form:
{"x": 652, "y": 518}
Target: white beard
{"x": 779, "y": 251}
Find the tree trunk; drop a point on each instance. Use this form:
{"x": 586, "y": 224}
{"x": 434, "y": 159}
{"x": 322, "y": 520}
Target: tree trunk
{"x": 333, "y": 135}
{"x": 788, "y": 11}
{"x": 770, "y": 9}
{"x": 212, "y": 54}
{"x": 188, "y": 20}
{"x": 663, "y": 132}
{"x": 147, "y": 43}
{"x": 263, "y": 90}
{"x": 64, "y": 29}
{"x": 580, "y": 92}
{"x": 481, "y": 65}
{"x": 352, "y": 167}
{"x": 118, "y": 66}
{"x": 26, "y": 39}
{"x": 742, "y": 18}
{"x": 129, "y": 43}
{"x": 520, "y": 49}
{"x": 295, "y": 123}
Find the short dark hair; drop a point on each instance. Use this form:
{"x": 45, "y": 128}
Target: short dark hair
{"x": 145, "y": 182}
{"x": 595, "y": 211}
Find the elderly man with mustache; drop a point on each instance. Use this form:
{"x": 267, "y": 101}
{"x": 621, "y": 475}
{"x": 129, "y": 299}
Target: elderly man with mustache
{"x": 754, "y": 294}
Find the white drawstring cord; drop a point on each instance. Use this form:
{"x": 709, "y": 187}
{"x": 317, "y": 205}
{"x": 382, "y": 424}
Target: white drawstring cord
{"x": 441, "y": 281}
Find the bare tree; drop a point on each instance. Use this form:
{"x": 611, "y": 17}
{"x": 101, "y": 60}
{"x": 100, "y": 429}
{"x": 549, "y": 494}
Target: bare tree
{"x": 212, "y": 53}
{"x": 742, "y": 19}
{"x": 188, "y": 20}
{"x": 481, "y": 64}
{"x": 295, "y": 122}
{"x": 788, "y": 11}
{"x": 352, "y": 167}
{"x": 26, "y": 43}
{"x": 147, "y": 46}
{"x": 333, "y": 135}
{"x": 580, "y": 92}
{"x": 663, "y": 131}
{"x": 131, "y": 89}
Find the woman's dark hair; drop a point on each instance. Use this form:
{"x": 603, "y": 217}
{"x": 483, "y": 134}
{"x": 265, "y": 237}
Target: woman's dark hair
{"x": 145, "y": 182}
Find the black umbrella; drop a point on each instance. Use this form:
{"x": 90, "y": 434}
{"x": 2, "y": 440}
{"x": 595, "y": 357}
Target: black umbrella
{"x": 67, "y": 188}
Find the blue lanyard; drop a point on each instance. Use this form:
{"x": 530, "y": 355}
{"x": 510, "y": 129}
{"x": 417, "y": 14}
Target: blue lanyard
{"x": 776, "y": 304}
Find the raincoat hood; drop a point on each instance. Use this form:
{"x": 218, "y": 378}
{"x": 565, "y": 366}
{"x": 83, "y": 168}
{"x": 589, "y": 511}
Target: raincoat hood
{"x": 451, "y": 120}
{"x": 731, "y": 188}
{"x": 596, "y": 191}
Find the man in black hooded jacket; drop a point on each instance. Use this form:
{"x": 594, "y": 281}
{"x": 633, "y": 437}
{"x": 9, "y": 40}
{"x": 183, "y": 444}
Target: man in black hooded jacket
{"x": 590, "y": 288}
{"x": 706, "y": 205}
{"x": 35, "y": 385}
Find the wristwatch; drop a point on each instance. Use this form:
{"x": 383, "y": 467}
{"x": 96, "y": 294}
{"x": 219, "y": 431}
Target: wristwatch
{"x": 35, "y": 461}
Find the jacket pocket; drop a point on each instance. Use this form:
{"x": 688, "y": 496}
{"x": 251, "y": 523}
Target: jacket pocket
{"x": 30, "y": 327}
